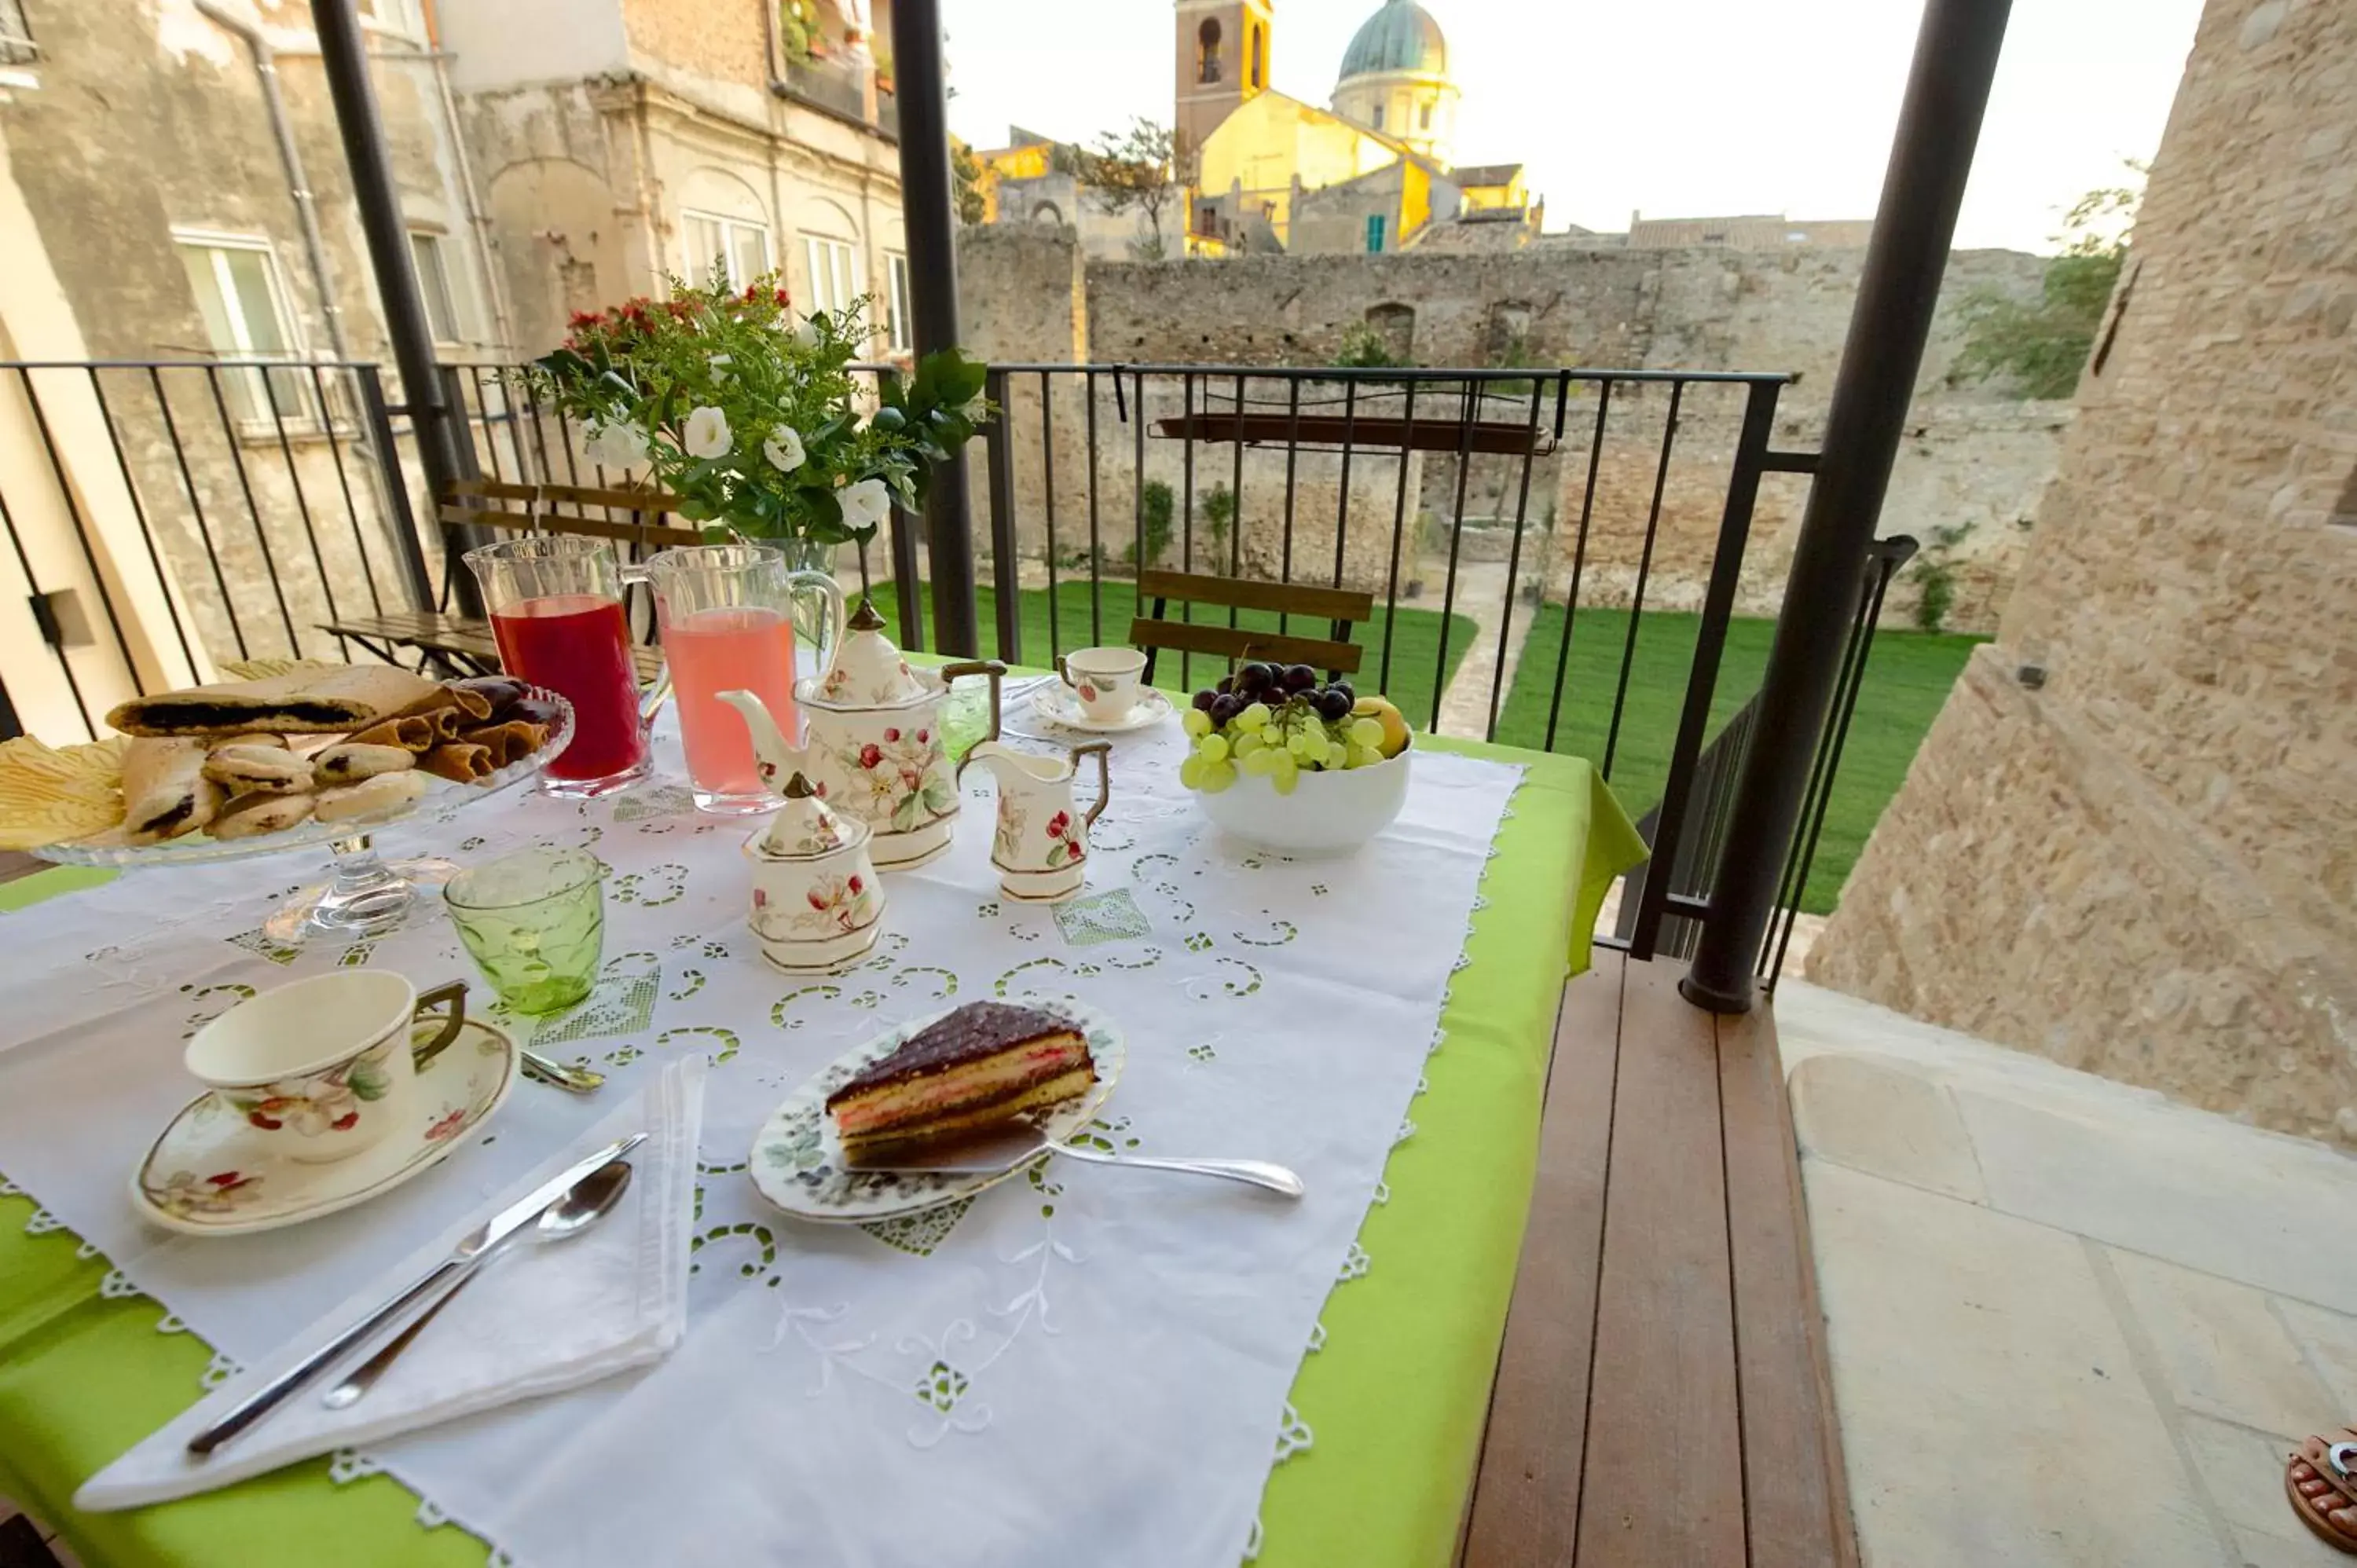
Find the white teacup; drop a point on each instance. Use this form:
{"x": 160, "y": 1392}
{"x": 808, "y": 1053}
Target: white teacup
{"x": 326, "y": 1066}
{"x": 1105, "y": 680}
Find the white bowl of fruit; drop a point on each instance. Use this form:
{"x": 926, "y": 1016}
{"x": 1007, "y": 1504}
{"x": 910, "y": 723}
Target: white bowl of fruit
{"x": 1287, "y": 763}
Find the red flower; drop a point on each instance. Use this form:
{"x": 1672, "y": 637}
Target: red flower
{"x": 857, "y": 886}
{"x": 870, "y": 755}
{"x": 923, "y": 736}
{"x": 580, "y": 318}
{"x": 346, "y": 1121}
{"x": 225, "y": 1180}
{"x": 893, "y": 735}
{"x": 752, "y": 292}
{"x": 911, "y": 778}
{"x": 268, "y": 1123}
{"x": 783, "y": 298}
{"x": 1088, "y": 692}
{"x": 447, "y": 1127}
{"x": 1058, "y": 823}
{"x": 760, "y": 899}
{"x": 816, "y": 901}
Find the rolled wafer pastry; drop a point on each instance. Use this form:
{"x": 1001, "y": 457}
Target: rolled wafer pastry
{"x": 459, "y": 760}
{"x": 381, "y": 793}
{"x": 502, "y": 691}
{"x": 252, "y": 815}
{"x": 507, "y": 742}
{"x": 165, "y": 791}
{"x": 411, "y": 734}
{"x": 351, "y": 761}
{"x": 258, "y": 770}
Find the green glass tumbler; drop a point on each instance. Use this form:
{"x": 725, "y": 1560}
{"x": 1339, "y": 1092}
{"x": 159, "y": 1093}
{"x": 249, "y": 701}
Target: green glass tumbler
{"x": 535, "y": 922}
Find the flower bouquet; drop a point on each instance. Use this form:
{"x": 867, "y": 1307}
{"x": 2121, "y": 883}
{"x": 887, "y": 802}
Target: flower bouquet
{"x": 747, "y": 413}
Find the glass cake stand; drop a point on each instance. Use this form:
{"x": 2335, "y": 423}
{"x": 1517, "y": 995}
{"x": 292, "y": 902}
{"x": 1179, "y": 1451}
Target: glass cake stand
{"x": 365, "y": 895}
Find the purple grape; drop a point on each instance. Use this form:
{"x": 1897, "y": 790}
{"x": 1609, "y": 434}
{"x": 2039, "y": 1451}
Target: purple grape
{"x": 1205, "y": 698}
{"x": 1299, "y": 677}
{"x": 1253, "y": 678}
{"x": 1334, "y": 704}
{"x": 1226, "y": 683}
{"x": 1348, "y": 693}
{"x": 1224, "y": 708}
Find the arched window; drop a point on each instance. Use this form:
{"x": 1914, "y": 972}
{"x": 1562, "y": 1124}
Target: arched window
{"x": 1207, "y": 51}
{"x": 1379, "y": 117}
{"x": 1046, "y": 213}
{"x": 1395, "y": 324}
{"x": 1424, "y": 117}
{"x": 1259, "y": 55}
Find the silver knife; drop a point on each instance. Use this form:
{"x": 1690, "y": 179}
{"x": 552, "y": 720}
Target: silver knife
{"x": 515, "y": 1216}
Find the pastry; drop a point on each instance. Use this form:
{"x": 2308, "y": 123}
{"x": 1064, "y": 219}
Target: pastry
{"x": 457, "y": 761}
{"x": 509, "y": 742}
{"x": 302, "y": 700}
{"x": 250, "y": 737}
{"x": 385, "y": 792}
{"x": 349, "y": 762}
{"x": 967, "y": 1072}
{"x": 411, "y": 732}
{"x": 502, "y": 691}
{"x": 257, "y": 769}
{"x": 165, "y": 791}
{"x": 535, "y": 711}
{"x": 51, "y": 794}
{"x": 251, "y": 816}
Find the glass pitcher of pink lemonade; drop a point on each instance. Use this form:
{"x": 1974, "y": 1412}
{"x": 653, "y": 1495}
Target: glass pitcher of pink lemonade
{"x": 555, "y": 601}
{"x": 729, "y": 614}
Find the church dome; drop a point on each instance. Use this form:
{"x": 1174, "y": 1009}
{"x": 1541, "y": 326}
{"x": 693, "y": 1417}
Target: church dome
{"x": 1401, "y": 36}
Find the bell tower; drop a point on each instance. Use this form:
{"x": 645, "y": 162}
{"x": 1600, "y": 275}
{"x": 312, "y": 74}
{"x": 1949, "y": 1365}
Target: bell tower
{"x": 1223, "y": 56}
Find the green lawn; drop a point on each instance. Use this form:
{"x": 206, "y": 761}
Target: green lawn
{"x": 1907, "y": 679}
{"x": 1415, "y": 638}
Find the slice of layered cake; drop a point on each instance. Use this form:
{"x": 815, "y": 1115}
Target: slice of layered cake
{"x": 965, "y": 1073}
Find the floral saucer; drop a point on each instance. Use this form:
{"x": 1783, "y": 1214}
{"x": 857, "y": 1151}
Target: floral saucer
{"x": 796, "y": 1161}
{"x": 210, "y": 1174}
{"x": 1055, "y": 702}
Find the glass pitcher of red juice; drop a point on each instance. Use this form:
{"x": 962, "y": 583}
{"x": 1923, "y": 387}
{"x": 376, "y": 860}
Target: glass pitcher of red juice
{"x": 555, "y": 601}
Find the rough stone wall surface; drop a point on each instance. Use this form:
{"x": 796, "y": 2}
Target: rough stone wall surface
{"x": 2187, "y": 771}
{"x": 722, "y": 39}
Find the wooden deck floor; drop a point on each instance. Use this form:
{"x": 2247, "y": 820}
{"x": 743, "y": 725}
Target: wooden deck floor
{"x": 1662, "y": 1398}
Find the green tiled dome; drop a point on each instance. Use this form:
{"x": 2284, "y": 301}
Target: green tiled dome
{"x": 1401, "y": 37}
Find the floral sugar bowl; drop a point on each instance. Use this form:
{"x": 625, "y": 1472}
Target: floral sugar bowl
{"x": 874, "y": 746}
{"x": 817, "y": 905}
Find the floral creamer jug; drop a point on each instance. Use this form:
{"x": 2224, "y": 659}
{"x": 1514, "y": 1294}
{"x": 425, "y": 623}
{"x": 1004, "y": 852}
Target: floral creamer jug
{"x": 873, "y": 745}
{"x": 1041, "y": 844}
{"x": 817, "y": 905}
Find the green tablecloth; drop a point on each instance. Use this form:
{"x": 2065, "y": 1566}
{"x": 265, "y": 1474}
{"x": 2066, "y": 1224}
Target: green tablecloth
{"x": 1395, "y": 1400}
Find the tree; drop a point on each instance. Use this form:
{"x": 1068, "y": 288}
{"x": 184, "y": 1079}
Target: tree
{"x": 1142, "y": 171}
{"x": 2041, "y": 345}
{"x": 965, "y": 179}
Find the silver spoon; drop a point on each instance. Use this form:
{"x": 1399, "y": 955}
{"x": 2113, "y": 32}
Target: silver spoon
{"x": 585, "y": 1203}
{"x": 549, "y": 1070}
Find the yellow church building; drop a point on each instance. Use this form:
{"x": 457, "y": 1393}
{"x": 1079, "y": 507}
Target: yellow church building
{"x": 1368, "y": 175}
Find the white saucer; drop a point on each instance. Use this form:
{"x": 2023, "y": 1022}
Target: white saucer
{"x": 1056, "y": 705}
{"x": 210, "y": 1174}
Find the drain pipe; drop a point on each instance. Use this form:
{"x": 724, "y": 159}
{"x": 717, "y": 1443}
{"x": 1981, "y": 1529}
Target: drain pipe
{"x": 307, "y": 211}
{"x": 494, "y": 285}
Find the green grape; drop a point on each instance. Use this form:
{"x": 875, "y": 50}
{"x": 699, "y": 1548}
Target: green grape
{"x": 1191, "y": 773}
{"x": 1218, "y": 775}
{"x": 1298, "y": 743}
{"x": 1254, "y": 716}
{"x": 1364, "y": 757}
{"x": 1287, "y": 775}
{"x": 1264, "y": 761}
{"x": 1367, "y": 731}
{"x": 1196, "y": 723}
{"x": 1245, "y": 744}
{"x": 1212, "y": 748}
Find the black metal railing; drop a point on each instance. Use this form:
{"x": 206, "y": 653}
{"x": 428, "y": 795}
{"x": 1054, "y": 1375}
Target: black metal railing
{"x": 1554, "y": 554}
{"x": 826, "y": 85}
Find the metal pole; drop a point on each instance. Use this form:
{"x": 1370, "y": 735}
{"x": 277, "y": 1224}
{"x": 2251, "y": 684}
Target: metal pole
{"x": 1939, "y": 121}
{"x": 929, "y": 216}
{"x": 344, "y": 52}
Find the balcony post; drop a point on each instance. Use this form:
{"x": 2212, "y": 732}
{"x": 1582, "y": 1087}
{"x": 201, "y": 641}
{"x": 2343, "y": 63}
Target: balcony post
{"x": 344, "y": 52}
{"x": 929, "y": 214}
{"x": 1939, "y": 121}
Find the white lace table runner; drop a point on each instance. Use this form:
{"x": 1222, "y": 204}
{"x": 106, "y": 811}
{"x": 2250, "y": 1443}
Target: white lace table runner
{"x": 1085, "y": 1365}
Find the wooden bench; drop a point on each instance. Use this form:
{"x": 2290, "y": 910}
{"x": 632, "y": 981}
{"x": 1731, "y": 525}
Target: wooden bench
{"x": 1338, "y": 608}
{"x": 463, "y": 644}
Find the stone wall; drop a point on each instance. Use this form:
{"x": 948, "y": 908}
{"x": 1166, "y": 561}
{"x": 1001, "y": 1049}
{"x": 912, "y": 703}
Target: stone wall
{"x": 2147, "y": 865}
{"x": 1975, "y": 465}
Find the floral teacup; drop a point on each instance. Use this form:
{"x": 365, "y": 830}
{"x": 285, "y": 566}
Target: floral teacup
{"x": 326, "y": 1066}
{"x": 1105, "y": 680}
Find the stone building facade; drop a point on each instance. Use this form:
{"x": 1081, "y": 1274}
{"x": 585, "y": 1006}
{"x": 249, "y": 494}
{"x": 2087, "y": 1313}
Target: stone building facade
{"x": 1971, "y": 474}
{"x": 2130, "y": 841}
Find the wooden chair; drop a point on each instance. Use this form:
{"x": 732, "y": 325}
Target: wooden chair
{"x": 1338, "y": 607}
{"x": 465, "y": 644}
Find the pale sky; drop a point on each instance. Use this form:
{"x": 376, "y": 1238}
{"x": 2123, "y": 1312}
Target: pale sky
{"x": 1683, "y": 108}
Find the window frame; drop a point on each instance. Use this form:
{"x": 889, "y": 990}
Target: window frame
{"x": 698, "y": 269}
{"x": 848, "y": 275}
{"x": 441, "y": 287}
{"x": 258, "y": 407}
{"x": 899, "y": 330}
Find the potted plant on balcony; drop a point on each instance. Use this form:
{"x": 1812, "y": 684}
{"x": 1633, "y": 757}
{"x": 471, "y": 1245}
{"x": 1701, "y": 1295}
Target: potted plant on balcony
{"x": 747, "y": 411}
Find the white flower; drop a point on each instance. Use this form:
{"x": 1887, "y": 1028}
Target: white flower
{"x": 863, "y": 504}
{"x": 783, "y": 449}
{"x": 806, "y": 332}
{"x": 707, "y": 433}
{"x": 977, "y": 410}
{"x": 617, "y": 444}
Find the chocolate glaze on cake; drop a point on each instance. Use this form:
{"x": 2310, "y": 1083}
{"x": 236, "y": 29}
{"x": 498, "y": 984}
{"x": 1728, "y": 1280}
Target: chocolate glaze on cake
{"x": 975, "y": 1030}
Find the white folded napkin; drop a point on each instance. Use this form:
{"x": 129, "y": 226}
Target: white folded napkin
{"x": 541, "y": 1319}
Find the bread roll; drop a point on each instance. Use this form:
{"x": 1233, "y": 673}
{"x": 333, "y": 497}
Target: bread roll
{"x": 352, "y": 761}
{"x": 306, "y": 700}
{"x": 258, "y": 770}
{"x": 165, "y": 791}
{"x": 251, "y": 816}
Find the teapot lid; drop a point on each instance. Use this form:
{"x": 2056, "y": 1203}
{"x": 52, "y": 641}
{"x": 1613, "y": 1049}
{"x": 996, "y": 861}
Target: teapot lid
{"x": 867, "y": 670}
{"x": 807, "y": 826}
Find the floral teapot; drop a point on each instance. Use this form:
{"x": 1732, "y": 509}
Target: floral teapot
{"x": 817, "y": 907}
{"x": 872, "y": 745}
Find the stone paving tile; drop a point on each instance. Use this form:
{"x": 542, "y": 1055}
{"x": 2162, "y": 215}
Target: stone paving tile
{"x": 1887, "y": 1121}
{"x": 2243, "y": 1471}
{"x": 2223, "y": 1348}
{"x": 2329, "y": 1340}
{"x": 1990, "y": 1406}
